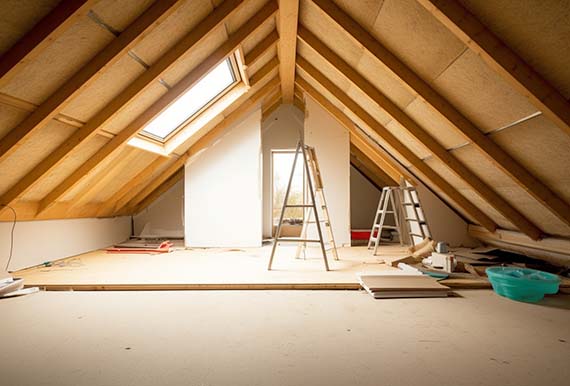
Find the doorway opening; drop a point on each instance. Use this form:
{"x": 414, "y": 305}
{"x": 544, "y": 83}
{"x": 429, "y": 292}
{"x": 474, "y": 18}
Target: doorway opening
{"x": 281, "y": 165}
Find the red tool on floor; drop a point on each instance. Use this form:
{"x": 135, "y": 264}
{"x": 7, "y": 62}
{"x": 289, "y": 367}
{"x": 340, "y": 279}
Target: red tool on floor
{"x": 164, "y": 247}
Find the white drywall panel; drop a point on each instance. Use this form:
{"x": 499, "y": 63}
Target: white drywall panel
{"x": 36, "y": 242}
{"x": 223, "y": 190}
{"x": 281, "y": 130}
{"x": 332, "y": 145}
{"x": 164, "y": 217}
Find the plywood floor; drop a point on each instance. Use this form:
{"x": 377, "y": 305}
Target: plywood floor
{"x": 209, "y": 269}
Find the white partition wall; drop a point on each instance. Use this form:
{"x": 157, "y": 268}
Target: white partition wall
{"x": 332, "y": 145}
{"x": 223, "y": 189}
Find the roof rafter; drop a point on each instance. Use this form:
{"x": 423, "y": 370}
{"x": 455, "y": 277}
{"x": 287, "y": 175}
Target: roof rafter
{"x": 138, "y": 86}
{"x": 288, "y": 20}
{"x": 463, "y": 126}
{"x": 434, "y": 147}
{"x": 184, "y": 84}
{"x": 391, "y": 140}
{"x": 87, "y": 75}
{"x": 502, "y": 59}
{"x": 48, "y": 29}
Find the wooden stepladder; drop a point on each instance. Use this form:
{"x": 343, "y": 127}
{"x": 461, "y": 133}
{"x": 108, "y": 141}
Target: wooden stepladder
{"x": 312, "y": 215}
{"x": 414, "y": 217}
{"x": 386, "y": 207}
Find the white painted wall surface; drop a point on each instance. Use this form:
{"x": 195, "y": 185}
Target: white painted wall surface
{"x": 164, "y": 217}
{"x": 36, "y": 242}
{"x": 223, "y": 190}
{"x": 332, "y": 145}
{"x": 281, "y": 130}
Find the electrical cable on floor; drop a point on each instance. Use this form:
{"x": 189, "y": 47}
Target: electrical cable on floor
{"x": 11, "y": 234}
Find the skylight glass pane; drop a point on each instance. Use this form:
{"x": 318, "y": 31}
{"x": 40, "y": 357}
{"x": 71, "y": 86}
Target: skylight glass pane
{"x": 192, "y": 101}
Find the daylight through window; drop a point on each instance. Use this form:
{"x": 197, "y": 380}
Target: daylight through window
{"x": 192, "y": 101}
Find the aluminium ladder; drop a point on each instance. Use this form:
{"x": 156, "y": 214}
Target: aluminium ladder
{"x": 413, "y": 213}
{"x": 386, "y": 206}
{"x": 317, "y": 198}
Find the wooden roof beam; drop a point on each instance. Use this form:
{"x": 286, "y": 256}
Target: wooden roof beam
{"x": 87, "y": 75}
{"x": 463, "y": 126}
{"x": 48, "y": 29}
{"x": 434, "y": 147}
{"x": 502, "y": 59}
{"x": 184, "y": 84}
{"x": 391, "y": 140}
{"x": 288, "y": 20}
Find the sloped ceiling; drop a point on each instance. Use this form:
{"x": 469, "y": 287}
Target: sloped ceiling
{"x": 470, "y": 97}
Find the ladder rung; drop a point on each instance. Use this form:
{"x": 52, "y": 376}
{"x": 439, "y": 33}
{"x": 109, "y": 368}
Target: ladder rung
{"x": 388, "y": 211}
{"x": 297, "y": 240}
{"x": 411, "y": 204}
{"x": 416, "y": 235}
{"x": 298, "y": 206}
{"x": 385, "y": 226}
{"x": 416, "y": 220}
{"x": 321, "y": 221}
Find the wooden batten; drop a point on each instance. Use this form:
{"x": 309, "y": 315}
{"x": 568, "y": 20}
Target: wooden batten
{"x": 184, "y": 84}
{"x": 433, "y": 146}
{"x": 87, "y": 75}
{"x": 435, "y": 178}
{"x": 502, "y": 59}
{"x": 288, "y": 19}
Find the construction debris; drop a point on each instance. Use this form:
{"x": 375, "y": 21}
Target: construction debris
{"x": 164, "y": 247}
{"x": 10, "y": 287}
{"x": 403, "y": 286}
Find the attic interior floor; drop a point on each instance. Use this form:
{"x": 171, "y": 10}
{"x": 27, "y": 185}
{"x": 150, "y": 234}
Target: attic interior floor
{"x": 281, "y": 338}
{"x": 210, "y": 268}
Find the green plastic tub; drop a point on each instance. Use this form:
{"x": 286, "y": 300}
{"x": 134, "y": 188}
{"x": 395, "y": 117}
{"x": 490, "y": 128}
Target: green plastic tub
{"x": 522, "y": 284}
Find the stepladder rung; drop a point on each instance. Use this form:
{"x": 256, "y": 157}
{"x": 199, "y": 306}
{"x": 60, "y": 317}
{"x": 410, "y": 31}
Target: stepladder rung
{"x": 387, "y": 212}
{"x": 298, "y": 206}
{"x": 385, "y": 226}
{"x": 297, "y": 240}
{"x": 415, "y": 220}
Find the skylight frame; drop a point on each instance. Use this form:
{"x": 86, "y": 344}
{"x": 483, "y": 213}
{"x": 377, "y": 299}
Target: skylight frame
{"x": 235, "y": 73}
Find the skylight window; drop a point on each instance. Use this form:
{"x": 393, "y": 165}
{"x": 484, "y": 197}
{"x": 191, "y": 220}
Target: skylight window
{"x": 192, "y": 101}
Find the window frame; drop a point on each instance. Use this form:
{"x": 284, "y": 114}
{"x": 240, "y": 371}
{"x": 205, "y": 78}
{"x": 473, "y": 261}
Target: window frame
{"x": 234, "y": 69}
